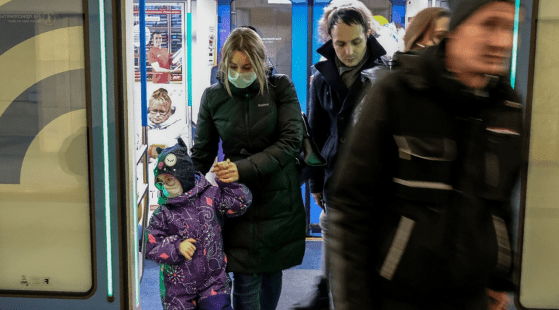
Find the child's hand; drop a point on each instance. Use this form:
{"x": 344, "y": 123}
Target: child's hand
{"x": 187, "y": 248}
{"x": 226, "y": 171}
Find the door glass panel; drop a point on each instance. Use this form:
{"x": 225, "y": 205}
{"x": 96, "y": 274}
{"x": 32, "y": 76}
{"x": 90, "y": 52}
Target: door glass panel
{"x": 273, "y": 23}
{"x": 539, "y": 271}
{"x": 45, "y": 224}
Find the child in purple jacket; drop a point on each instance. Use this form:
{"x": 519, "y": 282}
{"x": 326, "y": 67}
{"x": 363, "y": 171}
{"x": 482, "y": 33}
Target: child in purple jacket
{"x": 184, "y": 235}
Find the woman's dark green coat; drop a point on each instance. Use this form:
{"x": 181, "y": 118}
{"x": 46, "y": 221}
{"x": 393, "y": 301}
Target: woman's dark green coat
{"x": 262, "y": 135}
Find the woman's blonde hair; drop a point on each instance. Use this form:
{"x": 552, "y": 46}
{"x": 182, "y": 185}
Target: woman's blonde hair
{"x": 324, "y": 22}
{"x": 423, "y": 22}
{"x": 247, "y": 41}
{"x": 161, "y": 97}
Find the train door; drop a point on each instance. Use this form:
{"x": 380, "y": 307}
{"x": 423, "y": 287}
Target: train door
{"x": 539, "y": 75}
{"x": 64, "y": 236}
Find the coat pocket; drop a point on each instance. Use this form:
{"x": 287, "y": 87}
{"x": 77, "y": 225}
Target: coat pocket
{"x": 412, "y": 256}
{"x": 424, "y": 168}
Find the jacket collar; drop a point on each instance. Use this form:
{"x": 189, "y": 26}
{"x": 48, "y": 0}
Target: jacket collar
{"x": 329, "y": 69}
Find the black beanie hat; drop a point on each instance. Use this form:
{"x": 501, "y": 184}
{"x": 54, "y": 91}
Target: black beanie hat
{"x": 465, "y": 9}
{"x": 176, "y": 162}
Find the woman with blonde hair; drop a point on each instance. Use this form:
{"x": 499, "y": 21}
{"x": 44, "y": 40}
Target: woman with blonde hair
{"x": 427, "y": 28}
{"x": 258, "y": 117}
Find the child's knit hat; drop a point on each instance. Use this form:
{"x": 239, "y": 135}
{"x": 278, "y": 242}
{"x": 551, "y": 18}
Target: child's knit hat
{"x": 176, "y": 162}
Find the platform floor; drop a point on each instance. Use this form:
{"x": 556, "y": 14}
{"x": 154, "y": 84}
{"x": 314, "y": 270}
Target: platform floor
{"x": 298, "y": 281}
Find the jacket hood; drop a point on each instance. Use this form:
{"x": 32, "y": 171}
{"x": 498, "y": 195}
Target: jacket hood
{"x": 415, "y": 69}
{"x": 200, "y": 185}
{"x": 375, "y": 73}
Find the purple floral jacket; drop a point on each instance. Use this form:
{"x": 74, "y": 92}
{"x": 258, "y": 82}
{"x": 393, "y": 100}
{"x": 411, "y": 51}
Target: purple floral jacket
{"x": 193, "y": 215}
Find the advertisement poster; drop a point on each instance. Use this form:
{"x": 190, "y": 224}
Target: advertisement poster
{"x": 45, "y": 210}
{"x": 166, "y": 72}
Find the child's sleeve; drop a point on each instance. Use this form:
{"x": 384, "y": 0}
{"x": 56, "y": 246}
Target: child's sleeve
{"x": 161, "y": 247}
{"x": 232, "y": 199}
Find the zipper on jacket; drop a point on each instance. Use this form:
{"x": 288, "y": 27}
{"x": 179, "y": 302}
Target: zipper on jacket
{"x": 252, "y": 222}
{"x": 247, "y": 110}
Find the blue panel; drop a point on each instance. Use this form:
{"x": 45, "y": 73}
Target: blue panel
{"x": 223, "y": 24}
{"x": 399, "y": 14}
{"x": 189, "y": 56}
{"x": 515, "y": 44}
{"x": 318, "y": 9}
{"x": 143, "y": 65}
{"x": 299, "y": 45}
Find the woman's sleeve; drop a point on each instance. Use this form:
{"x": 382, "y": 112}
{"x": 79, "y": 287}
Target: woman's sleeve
{"x": 290, "y": 128}
{"x": 319, "y": 123}
{"x": 206, "y": 141}
{"x": 161, "y": 247}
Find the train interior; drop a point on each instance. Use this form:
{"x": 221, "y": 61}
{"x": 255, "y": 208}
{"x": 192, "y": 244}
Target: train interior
{"x": 77, "y": 143}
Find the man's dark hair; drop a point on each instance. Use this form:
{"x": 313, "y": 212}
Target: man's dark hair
{"x": 349, "y": 16}
{"x": 154, "y": 33}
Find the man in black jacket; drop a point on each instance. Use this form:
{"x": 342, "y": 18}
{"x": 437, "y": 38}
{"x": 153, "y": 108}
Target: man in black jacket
{"x": 336, "y": 89}
{"x": 419, "y": 201}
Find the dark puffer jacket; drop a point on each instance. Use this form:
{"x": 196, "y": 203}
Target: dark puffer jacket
{"x": 261, "y": 134}
{"x": 331, "y": 104}
{"x": 420, "y": 198}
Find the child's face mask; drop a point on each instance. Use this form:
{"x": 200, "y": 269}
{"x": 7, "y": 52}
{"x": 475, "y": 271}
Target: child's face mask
{"x": 173, "y": 187}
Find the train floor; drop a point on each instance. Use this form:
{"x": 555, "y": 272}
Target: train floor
{"x": 298, "y": 282}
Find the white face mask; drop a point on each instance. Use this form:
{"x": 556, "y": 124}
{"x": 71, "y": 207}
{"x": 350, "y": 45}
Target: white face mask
{"x": 241, "y": 80}
{"x": 174, "y": 191}
{"x": 172, "y": 185}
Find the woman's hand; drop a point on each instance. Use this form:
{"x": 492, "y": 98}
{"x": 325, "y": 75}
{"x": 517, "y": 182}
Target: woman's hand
{"x": 187, "y": 248}
{"x": 226, "y": 171}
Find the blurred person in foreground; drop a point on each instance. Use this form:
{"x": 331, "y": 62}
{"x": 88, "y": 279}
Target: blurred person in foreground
{"x": 419, "y": 202}
{"x": 341, "y": 82}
